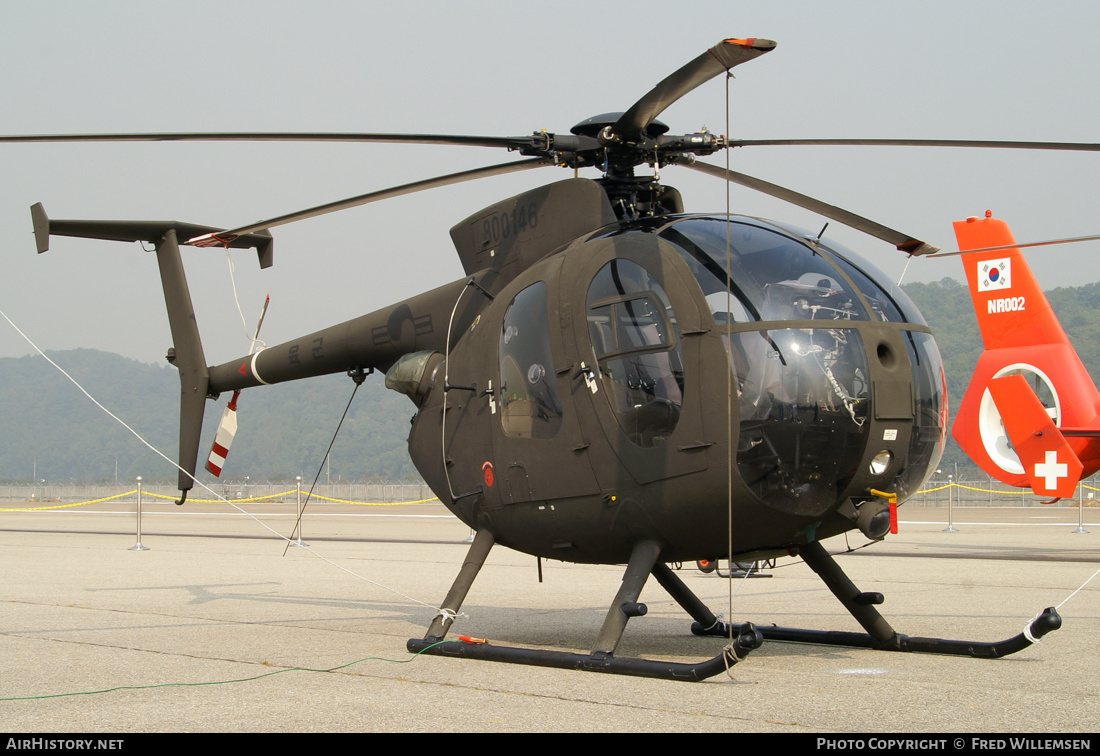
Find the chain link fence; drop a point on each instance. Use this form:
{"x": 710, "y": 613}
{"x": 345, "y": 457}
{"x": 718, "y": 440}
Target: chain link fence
{"x": 356, "y": 493}
{"x": 990, "y": 492}
{"x": 936, "y": 493}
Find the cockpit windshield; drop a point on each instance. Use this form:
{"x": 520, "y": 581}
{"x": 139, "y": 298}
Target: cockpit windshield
{"x": 773, "y": 276}
{"x": 800, "y": 322}
{"x": 803, "y": 389}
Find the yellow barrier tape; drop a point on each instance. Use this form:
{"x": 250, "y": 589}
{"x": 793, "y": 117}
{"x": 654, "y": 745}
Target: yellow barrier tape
{"x": 984, "y": 490}
{"x": 1013, "y": 491}
{"x": 284, "y": 494}
{"x": 70, "y": 506}
{"x": 288, "y": 492}
{"x": 932, "y": 490}
{"x": 291, "y": 492}
{"x": 374, "y": 503}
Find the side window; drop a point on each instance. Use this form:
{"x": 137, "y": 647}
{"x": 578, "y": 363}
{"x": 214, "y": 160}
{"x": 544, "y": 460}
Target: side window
{"x": 637, "y": 349}
{"x": 530, "y": 406}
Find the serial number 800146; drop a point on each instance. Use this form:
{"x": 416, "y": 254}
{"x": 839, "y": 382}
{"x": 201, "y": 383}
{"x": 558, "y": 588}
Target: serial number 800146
{"x": 502, "y": 226}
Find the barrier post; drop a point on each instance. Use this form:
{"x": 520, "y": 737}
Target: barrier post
{"x": 138, "y": 546}
{"x": 950, "y": 516}
{"x": 298, "y": 526}
{"x": 1081, "y": 507}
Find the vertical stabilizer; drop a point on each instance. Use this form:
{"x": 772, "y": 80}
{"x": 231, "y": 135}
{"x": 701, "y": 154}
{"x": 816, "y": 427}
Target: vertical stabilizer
{"x": 186, "y": 353}
{"x": 188, "y": 359}
{"x": 1022, "y": 337}
{"x": 1011, "y": 308}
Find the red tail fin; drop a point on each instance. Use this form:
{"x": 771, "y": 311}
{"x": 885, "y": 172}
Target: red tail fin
{"x": 1011, "y": 308}
{"x": 1023, "y": 337}
{"x": 1047, "y": 458}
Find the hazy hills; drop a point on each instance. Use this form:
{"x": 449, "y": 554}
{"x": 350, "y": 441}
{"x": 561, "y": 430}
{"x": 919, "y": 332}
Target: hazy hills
{"x": 50, "y": 429}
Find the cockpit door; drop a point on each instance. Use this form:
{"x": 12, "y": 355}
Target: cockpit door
{"x": 636, "y": 330}
{"x": 539, "y": 451}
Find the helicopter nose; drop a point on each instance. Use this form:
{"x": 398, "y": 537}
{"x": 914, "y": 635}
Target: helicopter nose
{"x": 805, "y": 401}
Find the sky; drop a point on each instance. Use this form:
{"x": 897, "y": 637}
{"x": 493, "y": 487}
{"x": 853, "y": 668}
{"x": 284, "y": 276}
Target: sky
{"x": 949, "y": 70}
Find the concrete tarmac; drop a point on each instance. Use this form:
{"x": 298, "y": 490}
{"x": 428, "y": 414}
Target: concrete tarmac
{"x": 212, "y": 629}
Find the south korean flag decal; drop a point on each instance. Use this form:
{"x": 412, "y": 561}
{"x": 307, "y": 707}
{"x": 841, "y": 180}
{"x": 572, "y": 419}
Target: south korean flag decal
{"x": 995, "y": 275}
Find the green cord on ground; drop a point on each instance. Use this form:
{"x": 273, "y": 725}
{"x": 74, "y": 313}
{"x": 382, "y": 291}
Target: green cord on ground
{"x": 220, "y": 682}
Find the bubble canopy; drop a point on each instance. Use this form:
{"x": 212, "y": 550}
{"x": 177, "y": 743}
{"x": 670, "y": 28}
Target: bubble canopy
{"x": 796, "y": 314}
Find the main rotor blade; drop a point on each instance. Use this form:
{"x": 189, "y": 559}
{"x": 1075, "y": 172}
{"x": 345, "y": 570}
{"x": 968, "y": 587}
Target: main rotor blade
{"x": 722, "y": 57}
{"x": 260, "y": 136}
{"x": 221, "y": 237}
{"x": 1073, "y": 146}
{"x": 903, "y": 242}
{"x": 1073, "y": 240}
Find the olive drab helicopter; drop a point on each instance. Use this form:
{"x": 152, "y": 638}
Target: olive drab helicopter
{"x": 616, "y": 381}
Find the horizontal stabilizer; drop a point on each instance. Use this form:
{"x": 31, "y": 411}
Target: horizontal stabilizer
{"x": 147, "y": 231}
{"x": 1049, "y": 462}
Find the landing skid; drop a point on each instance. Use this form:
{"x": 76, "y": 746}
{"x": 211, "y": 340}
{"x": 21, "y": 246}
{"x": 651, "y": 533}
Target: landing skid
{"x": 643, "y": 562}
{"x": 742, "y": 640}
{"x": 880, "y": 635}
{"x": 746, "y": 641}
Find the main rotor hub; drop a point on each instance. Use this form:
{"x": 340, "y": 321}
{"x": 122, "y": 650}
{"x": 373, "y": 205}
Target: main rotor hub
{"x": 594, "y": 126}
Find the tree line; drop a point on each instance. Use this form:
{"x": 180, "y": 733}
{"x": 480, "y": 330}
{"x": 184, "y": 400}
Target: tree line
{"x": 52, "y": 432}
